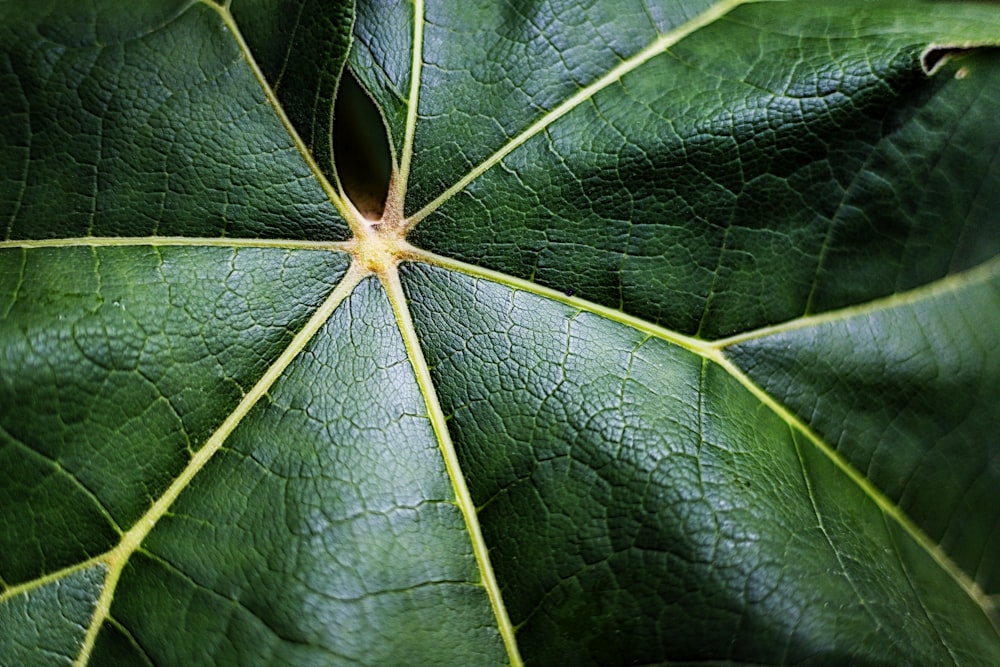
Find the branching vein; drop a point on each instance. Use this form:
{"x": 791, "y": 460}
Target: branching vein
{"x": 119, "y": 556}
{"x": 272, "y": 98}
{"x": 658, "y": 46}
{"x": 394, "y": 288}
{"x": 406, "y": 158}
{"x": 219, "y": 242}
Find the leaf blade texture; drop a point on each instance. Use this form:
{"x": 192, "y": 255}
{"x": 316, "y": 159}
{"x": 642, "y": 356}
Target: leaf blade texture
{"x": 676, "y": 342}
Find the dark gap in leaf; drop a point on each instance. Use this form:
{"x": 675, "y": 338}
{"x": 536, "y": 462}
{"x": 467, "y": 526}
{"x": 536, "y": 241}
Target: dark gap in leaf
{"x": 935, "y": 55}
{"x": 361, "y": 148}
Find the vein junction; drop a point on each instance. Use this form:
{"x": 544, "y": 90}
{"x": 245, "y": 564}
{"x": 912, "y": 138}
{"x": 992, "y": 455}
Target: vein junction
{"x": 377, "y": 248}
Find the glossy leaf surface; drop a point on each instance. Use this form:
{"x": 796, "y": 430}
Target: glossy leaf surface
{"x": 676, "y": 340}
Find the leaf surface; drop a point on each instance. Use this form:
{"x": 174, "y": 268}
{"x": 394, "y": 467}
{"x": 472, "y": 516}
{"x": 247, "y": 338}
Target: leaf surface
{"x": 676, "y": 340}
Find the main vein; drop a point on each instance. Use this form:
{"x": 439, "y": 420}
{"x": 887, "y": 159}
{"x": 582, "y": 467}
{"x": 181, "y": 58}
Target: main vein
{"x": 397, "y": 298}
{"x": 888, "y": 507}
{"x": 118, "y": 557}
{"x": 416, "y": 64}
{"x": 715, "y": 351}
{"x": 219, "y": 242}
{"x": 951, "y": 283}
{"x": 331, "y": 192}
{"x": 658, "y": 46}
{"x": 698, "y": 346}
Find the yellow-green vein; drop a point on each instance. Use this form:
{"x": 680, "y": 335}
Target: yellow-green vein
{"x": 38, "y": 582}
{"x": 709, "y": 348}
{"x": 952, "y": 283}
{"x": 845, "y": 571}
{"x": 220, "y": 242}
{"x": 698, "y": 346}
{"x": 416, "y": 63}
{"x": 714, "y": 351}
{"x": 888, "y": 507}
{"x": 118, "y": 557}
{"x": 390, "y": 279}
{"x": 658, "y": 46}
{"x": 331, "y": 192}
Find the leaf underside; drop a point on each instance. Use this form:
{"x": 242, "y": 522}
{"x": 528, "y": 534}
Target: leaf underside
{"x": 676, "y": 340}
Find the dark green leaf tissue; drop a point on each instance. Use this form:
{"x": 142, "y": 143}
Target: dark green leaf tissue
{"x": 505, "y": 332}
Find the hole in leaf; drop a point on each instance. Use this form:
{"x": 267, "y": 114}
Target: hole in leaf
{"x": 361, "y": 148}
{"x": 935, "y": 55}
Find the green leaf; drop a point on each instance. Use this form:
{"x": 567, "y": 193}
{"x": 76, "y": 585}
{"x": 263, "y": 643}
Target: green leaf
{"x": 676, "y": 338}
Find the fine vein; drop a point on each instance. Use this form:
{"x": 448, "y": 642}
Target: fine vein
{"x": 658, "y": 46}
{"x": 118, "y": 557}
{"x": 394, "y": 288}
{"x": 845, "y": 571}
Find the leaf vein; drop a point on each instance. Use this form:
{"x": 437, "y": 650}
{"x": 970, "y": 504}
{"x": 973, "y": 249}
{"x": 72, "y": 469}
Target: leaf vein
{"x": 655, "y": 48}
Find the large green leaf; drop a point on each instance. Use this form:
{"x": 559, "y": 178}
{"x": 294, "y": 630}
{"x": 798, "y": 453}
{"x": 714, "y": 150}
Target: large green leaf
{"x": 677, "y": 340}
